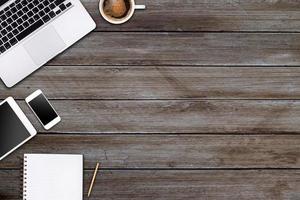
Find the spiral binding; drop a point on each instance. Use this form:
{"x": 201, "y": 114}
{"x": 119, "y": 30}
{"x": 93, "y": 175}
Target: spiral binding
{"x": 24, "y": 178}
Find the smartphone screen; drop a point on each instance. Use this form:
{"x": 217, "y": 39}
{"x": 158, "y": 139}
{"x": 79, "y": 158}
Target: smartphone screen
{"x": 43, "y": 109}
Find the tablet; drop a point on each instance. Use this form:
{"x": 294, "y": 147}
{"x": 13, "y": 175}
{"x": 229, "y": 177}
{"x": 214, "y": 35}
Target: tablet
{"x": 15, "y": 128}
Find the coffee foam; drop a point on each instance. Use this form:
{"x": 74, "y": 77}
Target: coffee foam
{"x": 116, "y": 8}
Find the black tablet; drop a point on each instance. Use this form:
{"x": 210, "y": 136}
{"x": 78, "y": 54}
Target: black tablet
{"x": 15, "y": 128}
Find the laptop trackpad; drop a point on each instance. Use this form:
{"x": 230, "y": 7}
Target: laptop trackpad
{"x": 44, "y": 45}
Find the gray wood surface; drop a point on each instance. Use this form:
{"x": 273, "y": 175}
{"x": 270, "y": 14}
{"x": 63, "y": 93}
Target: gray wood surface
{"x": 169, "y": 151}
{"x": 207, "y": 15}
{"x": 180, "y": 184}
{"x": 191, "y": 99}
{"x": 189, "y": 48}
{"x": 146, "y": 82}
{"x": 176, "y": 116}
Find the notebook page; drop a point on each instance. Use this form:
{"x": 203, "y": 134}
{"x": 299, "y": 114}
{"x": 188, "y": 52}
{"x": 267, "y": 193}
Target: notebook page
{"x": 53, "y": 177}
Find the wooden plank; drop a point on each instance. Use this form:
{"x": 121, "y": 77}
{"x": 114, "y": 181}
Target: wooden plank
{"x": 171, "y": 116}
{"x": 96, "y": 82}
{"x": 183, "y": 151}
{"x": 197, "y": 49}
{"x": 179, "y": 184}
{"x": 203, "y": 15}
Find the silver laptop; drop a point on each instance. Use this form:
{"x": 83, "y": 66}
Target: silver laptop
{"x": 34, "y": 31}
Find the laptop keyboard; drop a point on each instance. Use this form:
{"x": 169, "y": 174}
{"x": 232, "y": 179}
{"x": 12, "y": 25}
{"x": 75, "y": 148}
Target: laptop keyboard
{"x": 23, "y": 17}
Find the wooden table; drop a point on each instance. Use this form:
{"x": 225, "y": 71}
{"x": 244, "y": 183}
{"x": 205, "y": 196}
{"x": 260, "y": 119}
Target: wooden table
{"x": 195, "y": 99}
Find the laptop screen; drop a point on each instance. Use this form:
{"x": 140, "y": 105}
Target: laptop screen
{"x": 3, "y": 2}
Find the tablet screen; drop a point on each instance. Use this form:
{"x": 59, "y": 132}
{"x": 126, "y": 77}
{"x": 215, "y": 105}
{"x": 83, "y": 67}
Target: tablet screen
{"x": 12, "y": 130}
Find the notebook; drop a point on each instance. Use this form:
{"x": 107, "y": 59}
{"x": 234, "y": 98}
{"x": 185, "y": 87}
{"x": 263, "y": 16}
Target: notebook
{"x": 52, "y": 177}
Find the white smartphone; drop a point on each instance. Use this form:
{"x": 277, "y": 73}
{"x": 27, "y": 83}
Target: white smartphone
{"x": 42, "y": 109}
{"x": 15, "y": 128}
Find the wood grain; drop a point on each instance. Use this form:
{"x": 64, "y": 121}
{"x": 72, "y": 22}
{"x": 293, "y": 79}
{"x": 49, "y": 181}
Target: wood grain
{"x": 199, "y": 100}
{"x": 99, "y": 82}
{"x": 195, "y": 49}
{"x": 169, "y": 152}
{"x": 179, "y": 184}
{"x": 203, "y": 15}
{"x": 174, "y": 116}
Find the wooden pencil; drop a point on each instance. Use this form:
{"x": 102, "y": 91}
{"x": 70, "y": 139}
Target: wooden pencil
{"x": 93, "y": 180}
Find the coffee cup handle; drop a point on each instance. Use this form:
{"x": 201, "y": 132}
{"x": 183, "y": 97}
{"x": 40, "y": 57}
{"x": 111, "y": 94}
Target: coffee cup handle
{"x": 140, "y": 7}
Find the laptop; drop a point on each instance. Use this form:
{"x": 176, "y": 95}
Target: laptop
{"x": 34, "y": 31}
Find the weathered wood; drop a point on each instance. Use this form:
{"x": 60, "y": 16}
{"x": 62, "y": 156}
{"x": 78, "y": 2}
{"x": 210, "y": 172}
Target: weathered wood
{"x": 96, "y": 82}
{"x": 197, "y": 49}
{"x": 204, "y": 15}
{"x": 171, "y": 116}
{"x": 178, "y": 184}
{"x": 156, "y": 91}
{"x": 183, "y": 151}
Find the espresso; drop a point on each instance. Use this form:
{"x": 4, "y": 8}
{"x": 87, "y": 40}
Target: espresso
{"x": 117, "y": 9}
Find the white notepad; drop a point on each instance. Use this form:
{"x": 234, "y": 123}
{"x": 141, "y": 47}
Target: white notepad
{"x": 53, "y": 177}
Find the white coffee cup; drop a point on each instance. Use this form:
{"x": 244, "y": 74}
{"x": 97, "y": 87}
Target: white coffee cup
{"x": 124, "y": 19}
